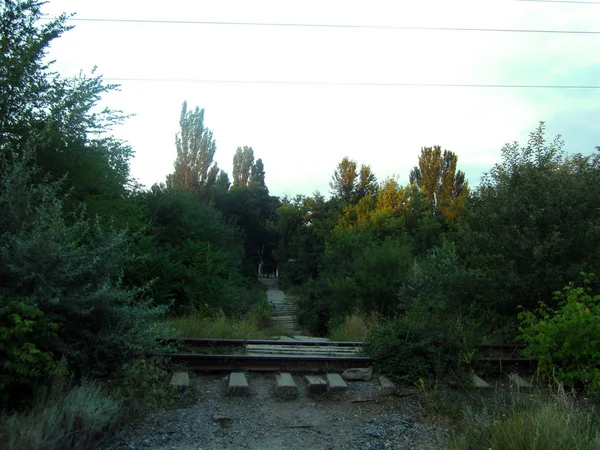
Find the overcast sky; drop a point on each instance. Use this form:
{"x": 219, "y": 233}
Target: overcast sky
{"x": 301, "y": 131}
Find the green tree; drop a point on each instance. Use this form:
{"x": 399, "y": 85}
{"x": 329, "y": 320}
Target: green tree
{"x": 534, "y": 221}
{"x": 257, "y": 175}
{"x": 367, "y": 184}
{"x": 26, "y": 87}
{"x": 59, "y": 117}
{"x": 196, "y": 148}
{"x": 343, "y": 181}
{"x": 61, "y": 293}
{"x": 222, "y": 181}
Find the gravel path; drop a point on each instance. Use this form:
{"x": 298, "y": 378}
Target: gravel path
{"x": 362, "y": 419}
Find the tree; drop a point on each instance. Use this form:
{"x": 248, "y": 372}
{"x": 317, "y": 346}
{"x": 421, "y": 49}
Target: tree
{"x": 257, "y": 175}
{"x": 27, "y": 86}
{"x": 534, "y": 222}
{"x": 438, "y": 179}
{"x": 223, "y": 182}
{"x": 343, "y": 181}
{"x": 61, "y": 293}
{"x": 57, "y": 117}
{"x": 367, "y": 183}
{"x": 195, "y": 152}
{"x": 243, "y": 161}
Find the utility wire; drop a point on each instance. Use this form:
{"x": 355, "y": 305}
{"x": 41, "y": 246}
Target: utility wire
{"x": 347, "y": 26}
{"x": 353, "y": 83}
{"x": 561, "y": 1}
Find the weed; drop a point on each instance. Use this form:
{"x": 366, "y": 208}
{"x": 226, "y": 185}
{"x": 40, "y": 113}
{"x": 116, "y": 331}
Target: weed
{"x": 355, "y": 327}
{"x": 74, "y": 419}
{"x": 222, "y": 327}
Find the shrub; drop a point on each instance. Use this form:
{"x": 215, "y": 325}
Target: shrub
{"x": 62, "y": 420}
{"x": 422, "y": 343}
{"x": 566, "y": 340}
{"x": 545, "y": 422}
{"x": 68, "y": 268}
{"x": 221, "y": 327}
{"x": 355, "y": 326}
{"x": 25, "y": 333}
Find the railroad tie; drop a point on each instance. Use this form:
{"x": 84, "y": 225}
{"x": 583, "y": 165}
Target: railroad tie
{"x": 238, "y": 385}
{"x": 286, "y": 386}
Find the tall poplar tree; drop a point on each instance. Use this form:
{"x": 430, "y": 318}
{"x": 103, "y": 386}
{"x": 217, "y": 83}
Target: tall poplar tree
{"x": 195, "y": 152}
{"x": 243, "y": 160}
{"x": 437, "y": 177}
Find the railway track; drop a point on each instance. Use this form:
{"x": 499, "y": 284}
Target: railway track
{"x": 316, "y": 356}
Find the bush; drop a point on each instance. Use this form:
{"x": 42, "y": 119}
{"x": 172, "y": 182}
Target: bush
{"x": 420, "y": 344}
{"x": 222, "y": 327}
{"x": 356, "y": 326}
{"x": 61, "y": 274}
{"x": 75, "y": 419}
{"x": 556, "y": 422}
{"x": 25, "y": 336}
{"x": 566, "y": 340}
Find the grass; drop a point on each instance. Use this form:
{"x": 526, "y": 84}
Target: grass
{"x": 541, "y": 419}
{"x": 222, "y": 327}
{"x": 355, "y": 327}
{"x": 71, "y": 417}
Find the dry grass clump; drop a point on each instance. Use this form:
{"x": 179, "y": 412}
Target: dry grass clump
{"x": 222, "y": 327}
{"x": 355, "y": 327}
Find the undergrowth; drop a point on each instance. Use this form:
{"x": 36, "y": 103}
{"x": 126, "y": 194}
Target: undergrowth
{"x": 538, "y": 419}
{"x": 250, "y": 326}
{"x": 73, "y": 417}
{"x": 355, "y": 327}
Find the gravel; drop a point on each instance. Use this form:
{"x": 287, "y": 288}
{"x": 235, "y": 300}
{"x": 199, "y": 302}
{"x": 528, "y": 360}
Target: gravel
{"x": 362, "y": 418}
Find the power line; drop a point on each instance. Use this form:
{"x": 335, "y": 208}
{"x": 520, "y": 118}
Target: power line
{"x": 561, "y": 1}
{"x": 346, "y": 26}
{"x": 353, "y": 83}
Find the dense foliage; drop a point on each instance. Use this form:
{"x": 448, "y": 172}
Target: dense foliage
{"x": 465, "y": 259}
{"x": 89, "y": 260}
{"x": 566, "y": 340}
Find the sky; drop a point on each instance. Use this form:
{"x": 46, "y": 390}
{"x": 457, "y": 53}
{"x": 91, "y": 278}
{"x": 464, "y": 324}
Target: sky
{"x": 302, "y": 131}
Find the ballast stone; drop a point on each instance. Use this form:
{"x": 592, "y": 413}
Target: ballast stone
{"x": 358, "y": 374}
{"x": 388, "y": 387}
{"x": 180, "y": 379}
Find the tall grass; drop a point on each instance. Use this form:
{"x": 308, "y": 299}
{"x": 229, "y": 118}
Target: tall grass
{"x": 554, "y": 420}
{"x": 62, "y": 420}
{"x": 355, "y": 327}
{"x": 250, "y": 326}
